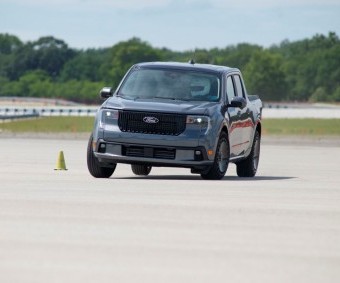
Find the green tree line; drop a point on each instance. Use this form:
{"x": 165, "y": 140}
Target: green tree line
{"x": 304, "y": 70}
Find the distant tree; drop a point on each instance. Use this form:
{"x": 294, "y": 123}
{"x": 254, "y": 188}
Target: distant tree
{"x": 264, "y": 76}
{"x": 319, "y": 94}
{"x": 125, "y": 54}
{"x": 9, "y": 43}
{"x": 35, "y": 84}
{"x": 47, "y": 53}
{"x": 10, "y": 88}
{"x": 304, "y": 70}
{"x": 235, "y": 56}
{"x": 4, "y": 82}
{"x": 336, "y": 95}
{"x": 310, "y": 64}
{"x": 85, "y": 65}
{"x": 78, "y": 91}
{"x": 203, "y": 56}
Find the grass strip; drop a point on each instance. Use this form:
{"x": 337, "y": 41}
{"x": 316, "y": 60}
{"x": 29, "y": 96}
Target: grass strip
{"x": 303, "y": 127}
{"x": 50, "y": 125}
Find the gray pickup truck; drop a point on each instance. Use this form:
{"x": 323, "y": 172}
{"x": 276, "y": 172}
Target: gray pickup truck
{"x": 170, "y": 114}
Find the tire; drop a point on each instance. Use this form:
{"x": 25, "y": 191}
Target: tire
{"x": 93, "y": 165}
{"x": 248, "y": 167}
{"x": 221, "y": 161}
{"x": 141, "y": 170}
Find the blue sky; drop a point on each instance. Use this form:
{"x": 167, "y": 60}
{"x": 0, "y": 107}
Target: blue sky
{"x": 175, "y": 24}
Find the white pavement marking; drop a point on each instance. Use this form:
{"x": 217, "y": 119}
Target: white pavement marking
{"x": 65, "y": 226}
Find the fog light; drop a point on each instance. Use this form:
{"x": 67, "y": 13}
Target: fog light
{"x": 102, "y": 148}
{"x": 198, "y": 155}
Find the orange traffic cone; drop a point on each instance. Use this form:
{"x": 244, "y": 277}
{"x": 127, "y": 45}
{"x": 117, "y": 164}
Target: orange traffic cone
{"x": 61, "y": 162}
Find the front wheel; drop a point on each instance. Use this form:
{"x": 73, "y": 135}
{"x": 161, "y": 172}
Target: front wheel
{"x": 93, "y": 165}
{"x": 248, "y": 167}
{"x": 141, "y": 170}
{"x": 221, "y": 161}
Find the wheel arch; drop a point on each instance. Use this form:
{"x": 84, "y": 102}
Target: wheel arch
{"x": 224, "y": 129}
{"x": 259, "y": 127}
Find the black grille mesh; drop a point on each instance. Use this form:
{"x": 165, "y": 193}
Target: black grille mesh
{"x": 149, "y": 152}
{"x": 168, "y": 124}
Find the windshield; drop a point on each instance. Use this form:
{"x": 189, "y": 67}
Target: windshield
{"x": 171, "y": 84}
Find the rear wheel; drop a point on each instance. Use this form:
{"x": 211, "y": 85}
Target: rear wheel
{"x": 93, "y": 165}
{"x": 141, "y": 170}
{"x": 221, "y": 161}
{"x": 248, "y": 167}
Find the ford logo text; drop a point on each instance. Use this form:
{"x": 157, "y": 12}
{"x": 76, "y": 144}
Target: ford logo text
{"x": 151, "y": 120}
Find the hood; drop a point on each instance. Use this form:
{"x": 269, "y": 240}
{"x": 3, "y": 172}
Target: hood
{"x": 159, "y": 105}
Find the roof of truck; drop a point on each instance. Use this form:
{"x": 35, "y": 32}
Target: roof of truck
{"x": 187, "y": 66}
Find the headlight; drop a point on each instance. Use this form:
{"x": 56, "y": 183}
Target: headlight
{"x": 108, "y": 117}
{"x": 203, "y": 122}
{"x": 198, "y": 120}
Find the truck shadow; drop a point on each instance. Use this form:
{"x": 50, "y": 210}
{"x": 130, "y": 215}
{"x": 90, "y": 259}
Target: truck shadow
{"x": 198, "y": 178}
{"x": 258, "y": 178}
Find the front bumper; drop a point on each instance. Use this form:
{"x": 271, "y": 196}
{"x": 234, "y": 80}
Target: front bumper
{"x": 167, "y": 156}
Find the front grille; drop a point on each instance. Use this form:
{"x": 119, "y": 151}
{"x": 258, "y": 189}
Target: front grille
{"x": 149, "y": 152}
{"x": 166, "y": 124}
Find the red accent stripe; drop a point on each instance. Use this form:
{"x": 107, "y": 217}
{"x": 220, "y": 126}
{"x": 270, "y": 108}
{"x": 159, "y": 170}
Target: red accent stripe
{"x": 242, "y": 124}
{"x": 240, "y": 144}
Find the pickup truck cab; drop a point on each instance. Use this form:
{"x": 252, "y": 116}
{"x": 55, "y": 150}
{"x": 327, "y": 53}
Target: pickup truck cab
{"x": 188, "y": 115}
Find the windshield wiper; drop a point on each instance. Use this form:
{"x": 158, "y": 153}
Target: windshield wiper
{"x": 171, "y": 98}
{"x": 163, "y": 97}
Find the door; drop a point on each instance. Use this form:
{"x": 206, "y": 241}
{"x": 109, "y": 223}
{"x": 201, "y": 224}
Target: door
{"x": 233, "y": 115}
{"x": 245, "y": 120}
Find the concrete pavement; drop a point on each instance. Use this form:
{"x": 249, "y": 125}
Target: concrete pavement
{"x": 65, "y": 226}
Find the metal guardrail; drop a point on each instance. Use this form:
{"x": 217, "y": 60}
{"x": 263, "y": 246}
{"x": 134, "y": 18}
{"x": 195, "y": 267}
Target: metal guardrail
{"x": 270, "y": 110}
{"x": 22, "y": 113}
{"x": 277, "y": 106}
{"x": 23, "y": 116}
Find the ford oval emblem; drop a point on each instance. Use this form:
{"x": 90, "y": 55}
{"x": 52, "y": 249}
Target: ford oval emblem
{"x": 151, "y": 120}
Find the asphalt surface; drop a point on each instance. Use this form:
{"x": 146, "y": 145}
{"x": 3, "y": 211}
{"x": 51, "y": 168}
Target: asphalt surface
{"x": 65, "y": 226}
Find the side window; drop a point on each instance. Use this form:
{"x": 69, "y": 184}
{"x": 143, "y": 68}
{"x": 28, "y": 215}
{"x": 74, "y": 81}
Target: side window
{"x": 238, "y": 85}
{"x": 230, "y": 89}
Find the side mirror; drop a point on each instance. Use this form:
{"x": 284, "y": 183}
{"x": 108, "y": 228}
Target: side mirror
{"x": 106, "y": 92}
{"x": 238, "y": 102}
